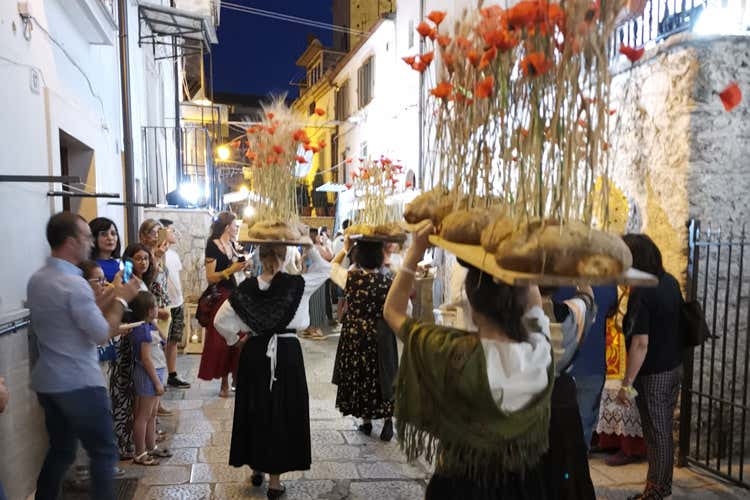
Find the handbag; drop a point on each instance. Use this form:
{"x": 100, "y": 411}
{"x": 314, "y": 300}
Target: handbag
{"x": 207, "y": 304}
{"x": 693, "y": 326}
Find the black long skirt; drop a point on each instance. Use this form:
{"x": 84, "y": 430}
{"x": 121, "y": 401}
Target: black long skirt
{"x": 566, "y": 463}
{"x": 530, "y": 485}
{"x": 271, "y": 430}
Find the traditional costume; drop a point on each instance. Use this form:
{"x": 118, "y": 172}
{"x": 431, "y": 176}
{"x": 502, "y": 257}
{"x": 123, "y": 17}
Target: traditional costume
{"x": 271, "y": 430}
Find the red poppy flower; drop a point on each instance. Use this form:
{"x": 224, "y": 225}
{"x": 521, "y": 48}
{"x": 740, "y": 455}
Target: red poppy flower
{"x": 320, "y": 111}
{"x": 442, "y": 91}
{"x": 731, "y": 96}
{"x": 250, "y": 155}
{"x": 299, "y": 135}
{"x": 349, "y": 161}
{"x": 474, "y": 57}
{"x": 443, "y": 40}
{"x": 424, "y": 29}
{"x": 449, "y": 59}
{"x": 463, "y": 42}
{"x": 315, "y": 149}
{"x": 419, "y": 66}
{"x": 307, "y": 147}
{"x": 524, "y": 132}
{"x": 348, "y": 185}
{"x": 612, "y": 112}
{"x": 321, "y": 144}
{"x": 488, "y": 56}
{"x": 501, "y": 39}
{"x": 535, "y": 64}
{"x": 300, "y": 159}
{"x": 270, "y": 116}
{"x": 437, "y": 16}
{"x": 354, "y": 175}
{"x": 523, "y": 14}
{"x": 271, "y": 130}
{"x": 427, "y": 58}
{"x": 485, "y": 87}
{"x": 408, "y": 184}
{"x": 493, "y": 11}
{"x": 236, "y": 143}
{"x": 582, "y": 123}
{"x": 278, "y": 149}
{"x": 409, "y": 60}
{"x": 632, "y": 54}
{"x": 605, "y": 146}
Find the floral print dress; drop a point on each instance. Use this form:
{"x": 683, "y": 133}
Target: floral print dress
{"x": 355, "y": 370}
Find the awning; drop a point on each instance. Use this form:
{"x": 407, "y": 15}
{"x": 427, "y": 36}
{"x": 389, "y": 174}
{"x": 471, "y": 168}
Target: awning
{"x": 331, "y": 187}
{"x": 172, "y": 27}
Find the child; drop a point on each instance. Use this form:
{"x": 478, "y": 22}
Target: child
{"x": 148, "y": 378}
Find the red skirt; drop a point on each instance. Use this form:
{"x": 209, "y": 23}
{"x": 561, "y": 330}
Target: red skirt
{"x": 218, "y": 359}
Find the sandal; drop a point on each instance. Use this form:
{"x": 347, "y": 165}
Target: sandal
{"x": 273, "y": 493}
{"x": 314, "y": 334}
{"x": 145, "y": 459}
{"x": 160, "y": 452}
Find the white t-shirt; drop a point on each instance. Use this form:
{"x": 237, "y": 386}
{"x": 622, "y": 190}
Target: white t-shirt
{"x": 517, "y": 371}
{"x": 174, "y": 286}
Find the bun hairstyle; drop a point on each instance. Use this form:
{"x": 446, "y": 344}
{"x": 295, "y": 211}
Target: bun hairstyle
{"x": 502, "y": 304}
{"x": 646, "y": 255}
{"x": 220, "y": 223}
{"x": 268, "y": 251}
{"x": 368, "y": 254}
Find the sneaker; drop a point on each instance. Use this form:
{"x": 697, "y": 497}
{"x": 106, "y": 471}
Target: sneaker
{"x": 177, "y": 383}
{"x": 163, "y": 412}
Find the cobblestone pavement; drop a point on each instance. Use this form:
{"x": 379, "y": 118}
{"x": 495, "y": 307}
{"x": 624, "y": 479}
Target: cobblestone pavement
{"x": 345, "y": 463}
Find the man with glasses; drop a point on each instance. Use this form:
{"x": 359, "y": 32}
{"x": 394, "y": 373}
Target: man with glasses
{"x": 69, "y": 321}
{"x": 174, "y": 290}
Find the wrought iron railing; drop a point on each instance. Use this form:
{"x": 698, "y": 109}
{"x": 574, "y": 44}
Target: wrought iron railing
{"x": 660, "y": 19}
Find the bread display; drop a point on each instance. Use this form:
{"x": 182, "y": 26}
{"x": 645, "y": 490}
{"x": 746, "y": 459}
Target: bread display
{"x": 496, "y": 232}
{"x": 572, "y": 249}
{"x": 277, "y": 231}
{"x": 382, "y": 232}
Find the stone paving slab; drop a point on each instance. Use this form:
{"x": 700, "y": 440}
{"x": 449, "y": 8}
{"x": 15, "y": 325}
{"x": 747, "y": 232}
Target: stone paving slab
{"x": 346, "y": 464}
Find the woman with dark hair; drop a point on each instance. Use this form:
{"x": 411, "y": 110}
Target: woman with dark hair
{"x": 106, "y": 251}
{"x": 654, "y": 367}
{"x": 222, "y": 261}
{"x": 475, "y": 404}
{"x": 356, "y": 370}
{"x": 121, "y": 389}
{"x": 271, "y": 430}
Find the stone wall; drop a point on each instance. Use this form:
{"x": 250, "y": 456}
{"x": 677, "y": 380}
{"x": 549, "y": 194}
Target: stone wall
{"x": 677, "y": 154}
{"x": 193, "y": 227}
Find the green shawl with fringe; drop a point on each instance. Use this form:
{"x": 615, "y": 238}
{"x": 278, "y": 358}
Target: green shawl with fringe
{"x": 444, "y": 408}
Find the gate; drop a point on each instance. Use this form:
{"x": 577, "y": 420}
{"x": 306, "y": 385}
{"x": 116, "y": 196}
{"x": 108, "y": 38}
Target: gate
{"x": 714, "y": 410}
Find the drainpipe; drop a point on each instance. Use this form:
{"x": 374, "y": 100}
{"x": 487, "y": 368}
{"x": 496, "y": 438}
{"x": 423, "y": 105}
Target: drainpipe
{"x": 127, "y": 125}
{"x": 421, "y": 160}
{"x": 177, "y": 123}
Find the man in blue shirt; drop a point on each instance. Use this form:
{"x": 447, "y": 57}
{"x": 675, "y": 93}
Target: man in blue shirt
{"x": 589, "y": 367}
{"x": 69, "y": 322}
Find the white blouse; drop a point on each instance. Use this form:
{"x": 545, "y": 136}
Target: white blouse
{"x": 228, "y": 324}
{"x": 517, "y": 371}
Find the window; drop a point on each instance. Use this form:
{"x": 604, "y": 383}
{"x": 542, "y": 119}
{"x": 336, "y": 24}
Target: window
{"x": 342, "y": 102}
{"x": 314, "y": 74}
{"x": 365, "y": 84}
{"x": 311, "y": 108}
{"x": 411, "y": 33}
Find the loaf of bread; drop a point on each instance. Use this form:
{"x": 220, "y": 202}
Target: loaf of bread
{"x": 434, "y": 205}
{"x": 571, "y": 249}
{"x": 466, "y": 226}
{"x": 274, "y": 231}
{"x": 496, "y": 232}
{"x": 388, "y": 230}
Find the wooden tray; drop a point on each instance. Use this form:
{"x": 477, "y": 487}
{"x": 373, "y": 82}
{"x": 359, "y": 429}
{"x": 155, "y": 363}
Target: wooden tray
{"x": 375, "y": 237}
{"x": 306, "y": 241}
{"x": 481, "y": 259}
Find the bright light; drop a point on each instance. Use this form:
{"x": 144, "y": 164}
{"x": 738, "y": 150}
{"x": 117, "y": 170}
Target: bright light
{"x": 190, "y": 193}
{"x": 716, "y": 20}
{"x": 244, "y": 189}
{"x": 248, "y": 212}
{"x": 236, "y": 196}
{"x": 223, "y": 152}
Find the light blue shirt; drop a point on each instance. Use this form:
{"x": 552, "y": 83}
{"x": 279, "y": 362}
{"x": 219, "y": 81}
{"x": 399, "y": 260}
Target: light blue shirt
{"x": 68, "y": 326}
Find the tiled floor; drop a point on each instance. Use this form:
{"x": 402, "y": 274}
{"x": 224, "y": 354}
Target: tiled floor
{"x": 345, "y": 463}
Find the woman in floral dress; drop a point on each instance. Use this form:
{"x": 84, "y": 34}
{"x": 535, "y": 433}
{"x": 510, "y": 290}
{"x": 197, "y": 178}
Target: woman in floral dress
{"x": 356, "y": 370}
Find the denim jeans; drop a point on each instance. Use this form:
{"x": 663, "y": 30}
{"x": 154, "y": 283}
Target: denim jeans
{"x": 589, "y": 393}
{"x": 83, "y": 415}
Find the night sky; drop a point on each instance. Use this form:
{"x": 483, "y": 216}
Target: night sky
{"x": 256, "y": 55}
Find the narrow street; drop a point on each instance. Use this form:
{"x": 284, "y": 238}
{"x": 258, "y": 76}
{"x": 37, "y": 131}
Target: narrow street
{"x": 345, "y": 463}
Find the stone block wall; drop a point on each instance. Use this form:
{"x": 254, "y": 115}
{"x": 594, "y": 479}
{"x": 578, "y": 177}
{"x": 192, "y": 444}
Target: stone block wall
{"x": 676, "y": 155}
{"x": 193, "y": 226}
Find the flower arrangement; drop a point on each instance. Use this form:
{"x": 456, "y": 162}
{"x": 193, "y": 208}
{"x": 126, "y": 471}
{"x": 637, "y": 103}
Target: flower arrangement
{"x": 518, "y": 113}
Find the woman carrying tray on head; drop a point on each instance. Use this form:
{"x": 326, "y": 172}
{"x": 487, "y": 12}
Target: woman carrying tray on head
{"x": 364, "y": 387}
{"x": 271, "y": 430}
{"x": 219, "y": 359}
{"x": 476, "y": 404}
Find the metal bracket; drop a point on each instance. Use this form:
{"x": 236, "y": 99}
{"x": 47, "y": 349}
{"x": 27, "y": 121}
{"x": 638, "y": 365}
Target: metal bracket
{"x": 72, "y": 194}
{"x": 64, "y": 179}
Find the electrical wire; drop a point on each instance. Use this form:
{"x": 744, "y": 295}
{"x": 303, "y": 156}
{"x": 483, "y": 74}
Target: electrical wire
{"x": 292, "y": 19}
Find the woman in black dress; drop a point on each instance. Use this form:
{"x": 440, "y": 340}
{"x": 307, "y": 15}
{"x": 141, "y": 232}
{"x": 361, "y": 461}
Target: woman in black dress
{"x": 271, "y": 429}
{"x": 356, "y": 370}
{"x": 220, "y": 359}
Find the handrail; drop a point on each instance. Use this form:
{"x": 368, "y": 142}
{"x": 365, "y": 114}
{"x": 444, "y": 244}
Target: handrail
{"x": 15, "y": 325}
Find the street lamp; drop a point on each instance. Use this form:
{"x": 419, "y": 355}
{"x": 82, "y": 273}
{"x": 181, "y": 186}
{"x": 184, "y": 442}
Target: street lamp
{"x": 223, "y": 152}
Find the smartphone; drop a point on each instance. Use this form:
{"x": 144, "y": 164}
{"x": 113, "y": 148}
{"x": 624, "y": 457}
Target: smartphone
{"x": 127, "y": 271}
{"x": 162, "y": 236}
